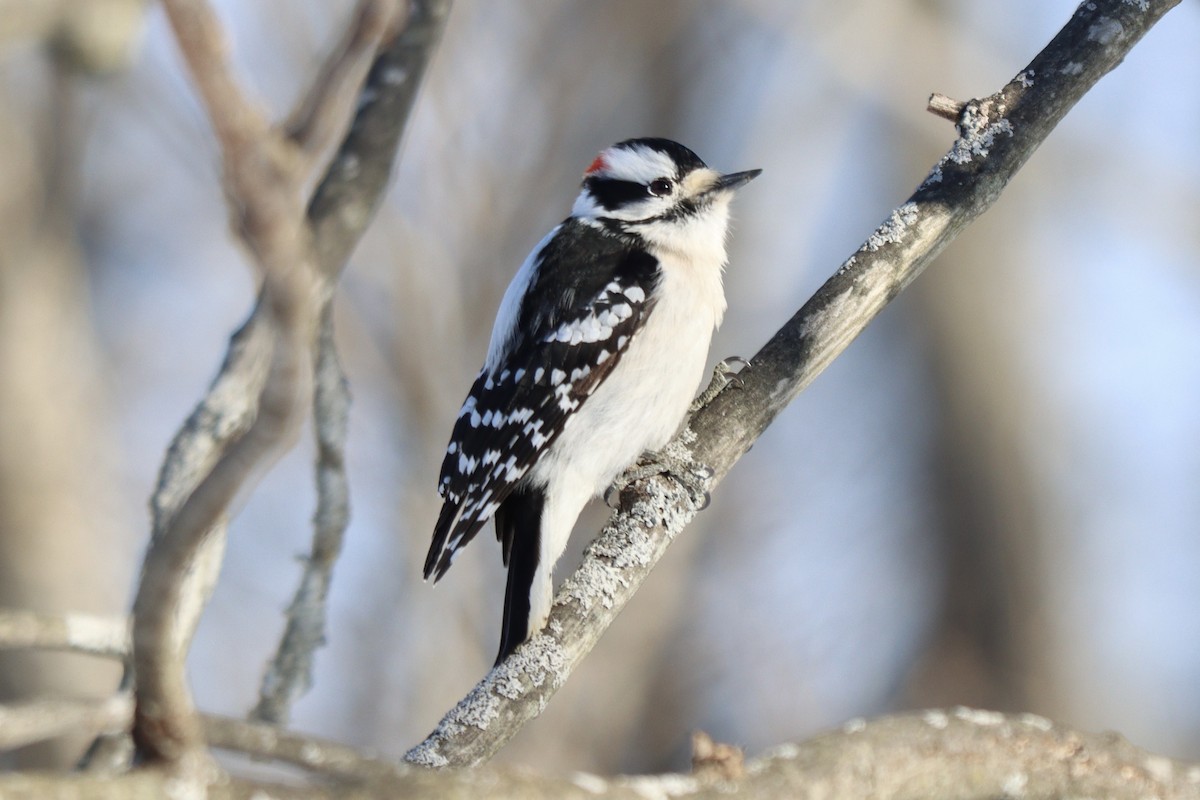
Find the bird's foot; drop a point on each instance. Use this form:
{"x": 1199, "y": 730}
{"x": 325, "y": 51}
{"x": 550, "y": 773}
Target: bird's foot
{"x": 692, "y": 476}
{"x": 723, "y": 375}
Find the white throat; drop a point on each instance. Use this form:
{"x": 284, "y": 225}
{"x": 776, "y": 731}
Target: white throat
{"x": 699, "y": 237}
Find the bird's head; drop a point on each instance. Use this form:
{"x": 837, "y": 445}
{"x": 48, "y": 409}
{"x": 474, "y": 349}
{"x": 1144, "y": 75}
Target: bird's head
{"x": 643, "y": 184}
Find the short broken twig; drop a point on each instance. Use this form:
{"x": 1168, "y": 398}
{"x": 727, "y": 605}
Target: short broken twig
{"x": 945, "y": 107}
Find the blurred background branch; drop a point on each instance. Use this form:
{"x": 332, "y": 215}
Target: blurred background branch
{"x": 264, "y": 185}
{"x": 37, "y": 721}
{"x": 263, "y": 188}
{"x": 935, "y": 755}
{"x": 290, "y": 672}
{"x": 342, "y": 205}
{"x": 81, "y": 633}
{"x": 89, "y": 36}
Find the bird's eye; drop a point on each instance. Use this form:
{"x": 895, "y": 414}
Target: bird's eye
{"x": 661, "y": 186}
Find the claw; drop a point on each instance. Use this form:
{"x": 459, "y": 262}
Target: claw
{"x": 612, "y": 495}
{"x": 723, "y": 375}
{"x": 745, "y": 362}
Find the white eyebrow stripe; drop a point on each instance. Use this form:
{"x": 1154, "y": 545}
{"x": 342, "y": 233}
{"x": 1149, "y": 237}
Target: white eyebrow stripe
{"x": 640, "y": 164}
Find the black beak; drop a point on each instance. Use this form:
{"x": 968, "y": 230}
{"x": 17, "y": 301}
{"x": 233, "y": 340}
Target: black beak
{"x": 735, "y": 179}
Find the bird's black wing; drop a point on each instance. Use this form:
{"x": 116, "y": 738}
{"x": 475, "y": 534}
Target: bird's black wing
{"x": 564, "y": 344}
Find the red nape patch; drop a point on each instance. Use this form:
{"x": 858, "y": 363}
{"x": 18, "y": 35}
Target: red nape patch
{"x": 596, "y": 165}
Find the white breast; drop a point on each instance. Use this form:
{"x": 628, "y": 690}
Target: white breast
{"x": 643, "y": 402}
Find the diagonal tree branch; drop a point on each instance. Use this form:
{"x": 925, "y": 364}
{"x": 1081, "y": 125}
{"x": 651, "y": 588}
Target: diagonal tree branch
{"x": 996, "y": 135}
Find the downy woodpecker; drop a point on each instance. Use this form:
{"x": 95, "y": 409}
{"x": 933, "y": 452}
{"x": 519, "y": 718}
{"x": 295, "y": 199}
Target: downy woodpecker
{"x": 599, "y": 345}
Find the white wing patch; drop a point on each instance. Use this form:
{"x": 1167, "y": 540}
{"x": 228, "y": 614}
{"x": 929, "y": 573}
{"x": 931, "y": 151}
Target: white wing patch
{"x": 597, "y": 326}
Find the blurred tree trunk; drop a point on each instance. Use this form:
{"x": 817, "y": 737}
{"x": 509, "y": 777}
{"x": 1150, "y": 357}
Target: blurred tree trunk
{"x": 990, "y": 639}
{"x": 63, "y": 544}
{"x": 969, "y": 307}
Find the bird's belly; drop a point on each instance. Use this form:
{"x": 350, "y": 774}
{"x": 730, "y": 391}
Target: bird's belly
{"x": 639, "y": 406}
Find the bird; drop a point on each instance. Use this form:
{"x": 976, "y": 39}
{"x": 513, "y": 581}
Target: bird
{"x": 598, "y": 348}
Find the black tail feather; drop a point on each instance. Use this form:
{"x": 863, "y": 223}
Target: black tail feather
{"x": 441, "y": 532}
{"x": 518, "y": 526}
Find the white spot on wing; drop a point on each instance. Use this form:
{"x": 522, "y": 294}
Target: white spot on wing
{"x": 564, "y": 398}
{"x": 534, "y": 432}
{"x": 591, "y": 328}
{"x": 511, "y": 467}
